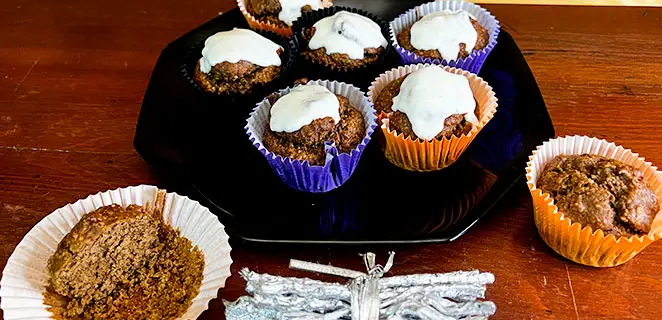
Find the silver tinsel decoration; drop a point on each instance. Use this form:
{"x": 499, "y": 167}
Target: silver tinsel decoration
{"x": 368, "y": 296}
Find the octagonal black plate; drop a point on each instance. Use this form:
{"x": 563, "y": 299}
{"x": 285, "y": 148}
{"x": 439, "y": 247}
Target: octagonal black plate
{"x": 196, "y": 142}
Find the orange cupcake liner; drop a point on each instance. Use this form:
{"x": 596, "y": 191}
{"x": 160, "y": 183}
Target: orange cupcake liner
{"x": 423, "y": 155}
{"x": 256, "y": 24}
{"x": 573, "y": 241}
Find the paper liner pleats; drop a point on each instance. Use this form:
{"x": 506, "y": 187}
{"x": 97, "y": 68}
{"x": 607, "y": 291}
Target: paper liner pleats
{"x": 24, "y": 278}
{"x": 474, "y": 62}
{"x": 338, "y": 167}
{"x": 573, "y": 241}
{"x": 424, "y": 155}
{"x": 256, "y": 24}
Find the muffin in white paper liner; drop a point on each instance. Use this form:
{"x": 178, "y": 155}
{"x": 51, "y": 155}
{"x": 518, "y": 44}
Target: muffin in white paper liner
{"x": 474, "y": 62}
{"x": 583, "y": 244}
{"x": 25, "y": 277}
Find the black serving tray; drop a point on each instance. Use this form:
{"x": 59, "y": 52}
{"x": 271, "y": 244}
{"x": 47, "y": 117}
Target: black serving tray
{"x": 196, "y": 142}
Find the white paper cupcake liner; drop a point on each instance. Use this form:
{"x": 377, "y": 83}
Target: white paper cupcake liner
{"x": 583, "y": 244}
{"x": 474, "y": 62}
{"x": 24, "y": 278}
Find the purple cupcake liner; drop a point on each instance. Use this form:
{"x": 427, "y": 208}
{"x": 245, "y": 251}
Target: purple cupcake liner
{"x": 338, "y": 167}
{"x": 474, "y": 62}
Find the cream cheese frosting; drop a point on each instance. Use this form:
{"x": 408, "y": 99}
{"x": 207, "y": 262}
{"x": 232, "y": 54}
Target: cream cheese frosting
{"x": 444, "y": 31}
{"x": 291, "y": 9}
{"x": 301, "y": 106}
{"x": 239, "y": 44}
{"x": 348, "y": 33}
{"x": 430, "y": 95}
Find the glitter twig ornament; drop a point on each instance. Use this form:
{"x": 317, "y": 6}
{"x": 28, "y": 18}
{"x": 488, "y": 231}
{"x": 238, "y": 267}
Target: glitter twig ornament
{"x": 368, "y": 296}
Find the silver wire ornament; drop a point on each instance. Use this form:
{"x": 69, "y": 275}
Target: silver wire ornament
{"x": 367, "y": 296}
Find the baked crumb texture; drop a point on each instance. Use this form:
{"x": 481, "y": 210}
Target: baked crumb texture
{"x": 603, "y": 193}
{"x": 454, "y": 125}
{"x": 123, "y": 263}
{"x": 308, "y": 143}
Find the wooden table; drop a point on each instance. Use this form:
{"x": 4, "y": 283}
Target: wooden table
{"x": 73, "y": 74}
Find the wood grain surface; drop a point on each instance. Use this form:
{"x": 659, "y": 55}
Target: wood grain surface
{"x": 72, "y": 77}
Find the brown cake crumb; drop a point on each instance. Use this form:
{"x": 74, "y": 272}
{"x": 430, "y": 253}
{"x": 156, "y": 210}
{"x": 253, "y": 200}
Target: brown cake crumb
{"x": 600, "y": 192}
{"x": 123, "y": 263}
{"x": 453, "y": 125}
{"x": 338, "y": 60}
{"x": 307, "y": 143}
{"x": 404, "y": 40}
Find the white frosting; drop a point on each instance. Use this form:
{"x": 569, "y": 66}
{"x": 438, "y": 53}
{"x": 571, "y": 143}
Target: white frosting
{"x": 291, "y": 9}
{"x": 444, "y": 31}
{"x": 239, "y": 44}
{"x": 430, "y": 95}
{"x": 347, "y": 32}
{"x": 301, "y": 106}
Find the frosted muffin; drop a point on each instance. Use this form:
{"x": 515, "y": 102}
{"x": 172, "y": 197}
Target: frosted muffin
{"x": 123, "y": 263}
{"x": 344, "y": 40}
{"x": 313, "y": 135}
{"x": 429, "y": 103}
{"x": 235, "y": 61}
{"x": 281, "y": 13}
{"x": 444, "y": 35}
{"x": 303, "y": 121}
{"x": 603, "y": 193}
{"x": 430, "y": 114}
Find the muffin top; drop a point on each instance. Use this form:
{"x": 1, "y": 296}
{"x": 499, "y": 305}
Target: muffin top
{"x": 239, "y": 45}
{"x": 447, "y": 35}
{"x": 301, "y": 106}
{"x": 603, "y": 193}
{"x": 346, "y": 33}
{"x": 281, "y": 12}
{"x": 429, "y": 103}
{"x": 308, "y": 118}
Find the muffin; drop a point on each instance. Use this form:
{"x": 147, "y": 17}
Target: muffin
{"x": 603, "y": 193}
{"x": 454, "y": 124}
{"x": 455, "y": 33}
{"x": 235, "y": 61}
{"x": 48, "y": 272}
{"x": 303, "y": 121}
{"x": 444, "y": 35}
{"x": 277, "y": 16}
{"x": 342, "y": 41}
{"x": 595, "y": 203}
{"x": 430, "y": 114}
{"x": 313, "y": 135}
{"x": 121, "y": 263}
{"x": 281, "y": 13}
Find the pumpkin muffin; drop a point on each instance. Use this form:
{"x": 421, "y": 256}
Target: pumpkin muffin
{"x": 281, "y": 13}
{"x": 123, "y": 263}
{"x": 603, "y": 193}
{"x": 303, "y": 136}
{"x": 344, "y": 40}
{"x": 430, "y": 32}
{"x": 235, "y": 61}
{"x": 455, "y": 124}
